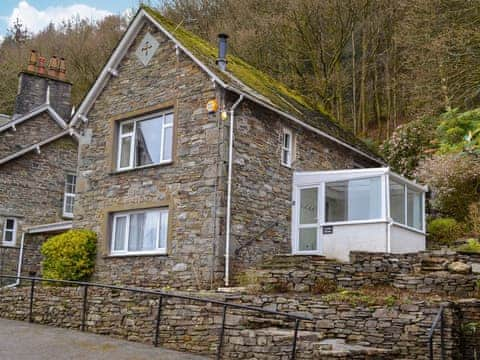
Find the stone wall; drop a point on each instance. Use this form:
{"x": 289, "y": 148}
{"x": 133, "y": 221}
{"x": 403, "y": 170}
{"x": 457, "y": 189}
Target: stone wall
{"x": 188, "y": 185}
{"x": 27, "y": 133}
{"x": 194, "y": 327}
{"x": 469, "y": 328}
{"x": 8, "y": 263}
{"x": 427, "y": 273}
{"x": 262, "y": 186}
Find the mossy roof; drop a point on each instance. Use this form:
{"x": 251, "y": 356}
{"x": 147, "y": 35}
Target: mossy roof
{"x": 248, "y": 79}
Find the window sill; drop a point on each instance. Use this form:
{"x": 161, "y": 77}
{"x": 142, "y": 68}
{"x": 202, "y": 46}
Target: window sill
{"x": 121, "y": 171}
{"x": 355, "y": 222}
{"x": 10, "y": 246}
{"x": 67, "y": 217}
{"x": 406, "y": 227}
{"x": 140, "y": 254}
{"x": 286, "y": 165}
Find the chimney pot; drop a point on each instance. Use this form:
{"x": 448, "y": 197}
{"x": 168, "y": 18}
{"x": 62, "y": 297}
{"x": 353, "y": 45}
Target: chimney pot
{"x": 222, "y": 51}
{"x": 41, "y": 65}
{"x": 62, "y": 69}
{"x": 53, "y": 67}
{"x": 32, "y": 62}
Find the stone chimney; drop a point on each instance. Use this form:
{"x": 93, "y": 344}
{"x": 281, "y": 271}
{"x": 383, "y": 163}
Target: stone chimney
{"x": 43, "y": 83}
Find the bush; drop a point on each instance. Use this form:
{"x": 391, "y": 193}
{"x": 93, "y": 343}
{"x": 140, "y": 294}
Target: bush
{"x": 474, "y": 218}
{"x": 444, "y": 231}
{"x": 69, "y": 256}
{"x": 458, "y": 132}
{"x": 472, "y": 246}
{"x": 454, "y": 180}
{"x": 409, "y": 144}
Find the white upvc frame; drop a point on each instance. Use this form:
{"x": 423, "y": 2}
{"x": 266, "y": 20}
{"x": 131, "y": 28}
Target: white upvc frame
{"x": 161, "y": 116}
{"x": 126, "y": 214}
{"x": 12, "y": 231}
{"x": 307, "y": 180}
{"x": 67, "y": 194}
{"x": 288, "y": 149}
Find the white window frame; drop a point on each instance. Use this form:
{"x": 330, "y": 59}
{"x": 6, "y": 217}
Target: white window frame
{"x": 288, "y": 149}
{"x": 67, "y": 194}
{"x": 303, "y": 180}
{"x": 126, "y": 214}
{"x": 13, "y": 231}
{"x": 132, "y": 135}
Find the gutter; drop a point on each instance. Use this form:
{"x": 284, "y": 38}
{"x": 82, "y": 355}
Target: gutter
{"x": 19, "y": 267}
{"x": 229, "y": 191}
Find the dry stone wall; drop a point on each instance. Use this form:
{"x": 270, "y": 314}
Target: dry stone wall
{"x": 427, "y": 273}
{"x": 194, "y": 327}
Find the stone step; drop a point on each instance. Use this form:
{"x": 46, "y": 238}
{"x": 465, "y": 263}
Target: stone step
{"x": 330, "y": 349}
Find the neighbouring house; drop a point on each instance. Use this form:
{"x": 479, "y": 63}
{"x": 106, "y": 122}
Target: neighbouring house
{"x": 38, "y": 165}
{"x": 191, "y": 162}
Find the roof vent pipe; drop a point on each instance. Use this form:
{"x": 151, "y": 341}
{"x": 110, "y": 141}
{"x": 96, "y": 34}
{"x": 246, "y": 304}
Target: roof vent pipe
{"x": 222, "y": 51}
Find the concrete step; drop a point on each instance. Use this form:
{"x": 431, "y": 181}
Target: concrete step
{"x": 335, "y": 349}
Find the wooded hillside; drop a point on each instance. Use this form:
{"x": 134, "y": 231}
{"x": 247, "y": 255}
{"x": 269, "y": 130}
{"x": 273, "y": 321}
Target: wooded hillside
{"x": 373, "y": 64}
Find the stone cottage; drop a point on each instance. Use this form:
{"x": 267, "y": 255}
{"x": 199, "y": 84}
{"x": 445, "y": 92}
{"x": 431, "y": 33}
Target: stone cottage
{"x": 187, "y": 159}
{"x": 38, "y": 163}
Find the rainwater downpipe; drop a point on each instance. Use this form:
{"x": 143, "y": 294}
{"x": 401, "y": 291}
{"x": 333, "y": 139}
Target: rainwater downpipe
{"x": 229, "y": 191}
{"x": 19, "y": 266}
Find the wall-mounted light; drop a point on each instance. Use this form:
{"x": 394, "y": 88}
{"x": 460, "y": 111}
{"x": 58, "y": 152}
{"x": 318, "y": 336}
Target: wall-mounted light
{"x": 212, "y": 106}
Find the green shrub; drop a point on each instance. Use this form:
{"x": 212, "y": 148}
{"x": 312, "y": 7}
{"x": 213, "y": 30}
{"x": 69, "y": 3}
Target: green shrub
{"x": 69, "y": 256}
{"x": 472, "y": 246}
{"x": 444, "y": 231}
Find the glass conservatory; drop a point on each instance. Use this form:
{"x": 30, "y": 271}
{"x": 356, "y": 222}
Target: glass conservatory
{"x": 374, "y": 210}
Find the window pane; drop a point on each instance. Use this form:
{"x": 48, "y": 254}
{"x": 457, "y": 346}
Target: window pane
{"x": 125, "y": 147}
{"x": 8, "y": 236}
{"x": 397, "y": 202}
{"x": 167, "y": 144}
{"x": 69, "y": 201}
{"x": 10, "y": 224}
{"x": 307, "y": 239}
{"x": 126, "y": 128}
{"x": 364, "y": 199}
{"x": 70, "y": 184}
{"x": 120, "y": 229}
{"x": 286, "y": 140}
{"x": 143, "y": 231}
{"x": 336, "y": 201}
{"x": 308, "y": 206}
{"x": 163, "y": 230}
{"x": 169, "y": 119}
{"x": 414, "y": 209}
{"x": 286, "y": 157}
{"x": 353, "y": 200}
{"x": 148, "y": 140}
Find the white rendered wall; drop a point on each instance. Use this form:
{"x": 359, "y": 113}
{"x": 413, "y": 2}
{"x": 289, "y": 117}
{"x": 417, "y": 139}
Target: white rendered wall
{"x": 370, "y": 237}
{"x": 405, "y": 240}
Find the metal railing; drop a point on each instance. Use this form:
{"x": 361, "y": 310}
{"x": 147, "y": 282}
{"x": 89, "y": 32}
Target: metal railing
{"x": 439, "y": 320}
{"x": 161, "y": 295}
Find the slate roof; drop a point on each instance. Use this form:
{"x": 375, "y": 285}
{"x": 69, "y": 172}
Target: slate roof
{"x": 248, "y": 79}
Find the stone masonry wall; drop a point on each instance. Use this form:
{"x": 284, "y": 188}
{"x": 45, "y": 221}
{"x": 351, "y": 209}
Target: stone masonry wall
{"x": 426, "y": 273}
{"x": 194, "y": 327}
{"x": 262, "y": 186}
{"x": 188, "y": 185}
{"x": 27, "y": 133}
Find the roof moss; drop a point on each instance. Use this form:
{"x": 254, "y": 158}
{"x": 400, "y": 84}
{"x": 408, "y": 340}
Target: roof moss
{"x": 259, "y": 84}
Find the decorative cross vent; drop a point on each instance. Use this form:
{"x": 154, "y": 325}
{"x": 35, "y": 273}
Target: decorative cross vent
{"x": 146, "y": 49}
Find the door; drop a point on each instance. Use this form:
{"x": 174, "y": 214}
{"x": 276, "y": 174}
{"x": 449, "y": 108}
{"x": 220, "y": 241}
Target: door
{"x": 306, "y": 234}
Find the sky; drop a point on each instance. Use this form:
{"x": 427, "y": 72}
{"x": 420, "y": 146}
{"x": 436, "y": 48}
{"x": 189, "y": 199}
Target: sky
{"x": 36, "y": 14}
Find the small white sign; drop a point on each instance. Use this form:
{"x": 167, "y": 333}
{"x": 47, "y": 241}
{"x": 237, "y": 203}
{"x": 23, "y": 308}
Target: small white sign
{"x": 146, "y": 49}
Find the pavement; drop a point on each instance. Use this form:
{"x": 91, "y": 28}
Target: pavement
{"x": 24, "y": 341}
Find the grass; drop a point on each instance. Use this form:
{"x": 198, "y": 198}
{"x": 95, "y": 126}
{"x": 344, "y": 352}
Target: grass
{"x": 472, "y": 246}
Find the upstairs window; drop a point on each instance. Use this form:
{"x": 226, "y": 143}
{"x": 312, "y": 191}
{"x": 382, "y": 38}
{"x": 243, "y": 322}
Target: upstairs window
{"x": 69, "y": 195}
{"x": 287, "y": 147}
{"x": 9, "y": 232}
{"x": 145, "y": 141}
{"x": 140, "y": 232}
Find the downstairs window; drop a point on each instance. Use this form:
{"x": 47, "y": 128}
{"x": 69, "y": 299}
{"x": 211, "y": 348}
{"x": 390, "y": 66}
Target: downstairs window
{"x": 140, "y": 232}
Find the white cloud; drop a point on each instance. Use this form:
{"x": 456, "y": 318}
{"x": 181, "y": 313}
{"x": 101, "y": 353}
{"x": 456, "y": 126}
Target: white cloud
{"x": 1, "y": 39}
{"x": 35, "y": 20}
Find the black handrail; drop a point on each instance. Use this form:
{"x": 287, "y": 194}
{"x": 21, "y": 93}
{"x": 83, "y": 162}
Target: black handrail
{"x": 438, "y": 320}
{"x": 161, "y": 295}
